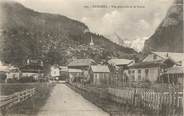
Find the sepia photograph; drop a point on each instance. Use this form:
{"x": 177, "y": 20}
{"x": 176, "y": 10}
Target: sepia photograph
{"x": 91, "y": 58}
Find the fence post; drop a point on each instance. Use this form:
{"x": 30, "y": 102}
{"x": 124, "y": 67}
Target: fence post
{"x": 18, "y": 97}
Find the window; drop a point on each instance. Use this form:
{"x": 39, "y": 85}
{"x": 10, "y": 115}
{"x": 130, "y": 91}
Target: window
{"x": 129, "y": 71}
{"x": 146, "y": 71}
{"x": 95, "y": 75}
{"x": 14, "y": 75}
{"x": 95, "y": 78}
{"x": 133, "y": 75}
{"x": 139, "y": 75}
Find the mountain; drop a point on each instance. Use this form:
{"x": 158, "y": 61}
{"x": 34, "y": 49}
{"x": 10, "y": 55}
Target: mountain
{"x": 117, "y": 39}
{"x": 54, "y": 38}
{"x": 168, "y": 37}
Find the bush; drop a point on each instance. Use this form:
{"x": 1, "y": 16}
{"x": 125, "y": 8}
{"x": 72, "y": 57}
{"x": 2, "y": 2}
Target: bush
{"x": 27, "y": 79}
{"x": 21, "y": 80}
{"x": 12, "y": 80}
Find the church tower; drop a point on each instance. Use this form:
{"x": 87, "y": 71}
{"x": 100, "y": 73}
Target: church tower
{"x": 91, "y": 43}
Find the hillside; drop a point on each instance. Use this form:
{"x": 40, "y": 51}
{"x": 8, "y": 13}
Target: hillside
{"x": 168, "y": 37}
{"x": 27, "y": 33}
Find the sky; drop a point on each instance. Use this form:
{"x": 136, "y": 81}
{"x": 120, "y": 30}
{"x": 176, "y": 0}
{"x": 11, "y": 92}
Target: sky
{"x": 132, "y": 25}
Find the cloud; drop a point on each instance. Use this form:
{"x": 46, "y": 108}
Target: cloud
{"x": 111, "y": 20}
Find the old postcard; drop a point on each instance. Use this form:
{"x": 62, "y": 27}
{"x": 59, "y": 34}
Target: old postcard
{"x": 91, "y": 58}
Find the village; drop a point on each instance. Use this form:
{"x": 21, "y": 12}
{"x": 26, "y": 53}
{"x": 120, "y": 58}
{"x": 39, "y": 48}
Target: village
{"x": 154, "y": 83}
{"x": 155, "y": 68}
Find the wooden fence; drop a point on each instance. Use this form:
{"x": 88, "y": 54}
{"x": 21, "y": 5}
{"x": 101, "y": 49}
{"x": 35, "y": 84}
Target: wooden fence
{"x": 18, "y": 97}
{"x": 146, "y": 98}
{"x": 168, "y": 103}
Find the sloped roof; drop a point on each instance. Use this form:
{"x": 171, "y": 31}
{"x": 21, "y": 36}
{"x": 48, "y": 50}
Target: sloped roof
{"x": 174, "y": 56}
{"x": 175, "y": 70}
{"x": 3, "y": 67}
{"x": 120, "y": 61}
{"x": 74, "y": 70}
{"x": 100, "y": 68}
{"x": 81, "y": 62}
{"x": 32, "y": 68}
{"x": 63, "y": 68}
{"x": 147, "y": 64}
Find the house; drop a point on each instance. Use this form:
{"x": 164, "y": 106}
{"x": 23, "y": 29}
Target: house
{"x": 34, "y": 71}
{"x": 118, "y": 68}
{"x": 4, "y": 69}
{"x": 55, "y": 72}
{"x": 173, "y": 75}
{"x": 63, "y": 72}
{"x": 74, "y": 75}
{"x": 99, "y": 74}
{"x": 82, "y": 64}
{"x": 32, "y": 68}
{"x": 14, "y": 73}
{"x": 58, "y": 72}
{"x": 120, "y": 63}
{"x": 63, "y": 68}
{"x": 153, "y": 66}
{"x": 158, "y": 56}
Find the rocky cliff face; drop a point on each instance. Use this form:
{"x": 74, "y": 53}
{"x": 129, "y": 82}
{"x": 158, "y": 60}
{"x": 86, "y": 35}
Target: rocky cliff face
{"x": 27, "y": 33}
{"x": 168, "y": 37}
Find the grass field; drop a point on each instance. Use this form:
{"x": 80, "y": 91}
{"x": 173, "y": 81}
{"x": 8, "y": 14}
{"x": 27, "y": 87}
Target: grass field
{"x": 10, "y": 88}
{"x": 32, "y": 105}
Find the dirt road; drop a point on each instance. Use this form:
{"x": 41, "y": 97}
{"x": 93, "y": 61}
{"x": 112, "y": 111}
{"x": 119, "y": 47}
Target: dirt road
{"x": 65, "y": 102}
